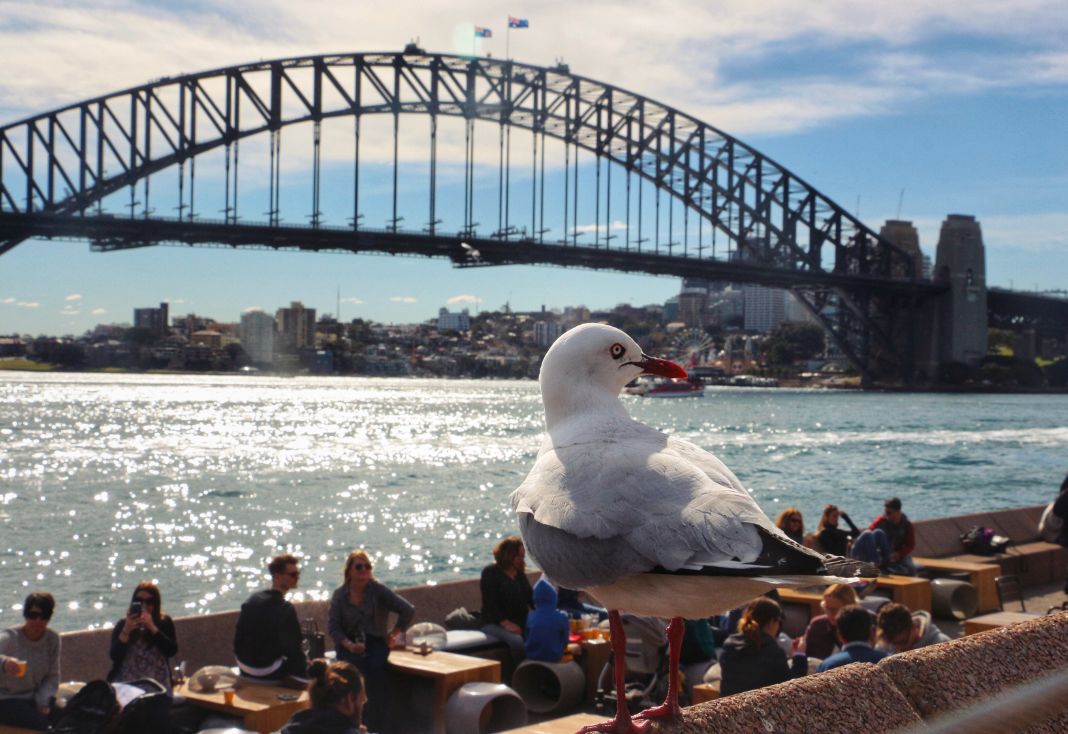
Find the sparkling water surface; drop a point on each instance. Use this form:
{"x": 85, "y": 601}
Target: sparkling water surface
{"x": 195, "y": 481}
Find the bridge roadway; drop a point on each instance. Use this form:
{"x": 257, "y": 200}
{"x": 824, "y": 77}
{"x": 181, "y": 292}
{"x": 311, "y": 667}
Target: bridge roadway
{"x": 108, "y": 233}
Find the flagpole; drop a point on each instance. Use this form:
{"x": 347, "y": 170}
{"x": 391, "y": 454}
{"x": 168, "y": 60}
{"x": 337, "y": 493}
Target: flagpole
{"x": 508, "y": 40}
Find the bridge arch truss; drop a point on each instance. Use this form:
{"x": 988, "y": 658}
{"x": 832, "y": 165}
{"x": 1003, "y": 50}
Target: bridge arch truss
{"x": 56, "y": 167}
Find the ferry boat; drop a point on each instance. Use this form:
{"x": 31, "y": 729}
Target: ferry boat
{"x": 689, "y": 388}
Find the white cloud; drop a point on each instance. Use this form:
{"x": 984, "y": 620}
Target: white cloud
{"x": 9, "y": 299}
{"x": 98, "y": 311}
{"x": 403, "y": 299}
{"x": 252, "y": 309}
{"x": 462, "y": 298}
{"x": 73, "y": 297}
{"x": 174, "y": 301}
{"x": 616, "y": 225}
{"x": 28, "y": 304}
{"x": 69, "y": 311}
{"x": 352, "y": 300}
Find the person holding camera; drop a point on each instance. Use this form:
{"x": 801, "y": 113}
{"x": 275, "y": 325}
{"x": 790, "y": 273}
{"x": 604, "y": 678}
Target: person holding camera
{"x": 143, "y": 642}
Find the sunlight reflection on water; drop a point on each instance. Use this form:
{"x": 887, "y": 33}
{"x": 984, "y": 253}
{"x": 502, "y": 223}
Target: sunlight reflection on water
{"x": 196, "y": 480}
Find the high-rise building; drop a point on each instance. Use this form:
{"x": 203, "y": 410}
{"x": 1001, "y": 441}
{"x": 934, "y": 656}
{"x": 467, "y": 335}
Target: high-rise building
{"x": 693, "y": 299}
{"x": 257, "y": 336}
{"x": 448, "y": 321}
{"x": 765, "y": 308}
{"x": 546, "y": 332}
{"x": 296, "y": 327}
{"x": 153, "y": 319}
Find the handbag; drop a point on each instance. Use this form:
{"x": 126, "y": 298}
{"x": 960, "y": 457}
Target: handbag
{"x": 314, "y": 641}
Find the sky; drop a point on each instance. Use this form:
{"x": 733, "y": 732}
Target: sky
{"x": 911, "y": 110}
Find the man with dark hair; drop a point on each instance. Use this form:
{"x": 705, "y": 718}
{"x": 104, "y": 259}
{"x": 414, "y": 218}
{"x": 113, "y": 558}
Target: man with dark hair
{"x": 901, "y": 631}
{"x": 29, "y": 666}
{"x": 856, "y": 633}
{"x": 889, "y": 541}
{"x": 268, "y": 641}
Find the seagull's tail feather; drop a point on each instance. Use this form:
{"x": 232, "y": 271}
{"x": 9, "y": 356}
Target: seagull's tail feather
{"x": 849, "y": 568}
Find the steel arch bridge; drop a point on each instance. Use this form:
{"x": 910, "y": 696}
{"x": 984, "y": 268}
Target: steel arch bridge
{"x": 58, "y": 167}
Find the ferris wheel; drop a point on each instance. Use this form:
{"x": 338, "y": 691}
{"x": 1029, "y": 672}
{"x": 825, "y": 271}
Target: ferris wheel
{"x": 692, "y": 347}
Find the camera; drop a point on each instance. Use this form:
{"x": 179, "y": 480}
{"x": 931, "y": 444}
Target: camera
{"x": 135, "y": 608}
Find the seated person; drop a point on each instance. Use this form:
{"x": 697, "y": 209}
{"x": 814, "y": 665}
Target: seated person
{"x": 889, "y": 541}
{"x": 144, "y": 641}
{"x": 268, "y": 642}
{"x": 900, "y": 631}
{"x": 337, "y": 701}
{"x": 821, "y": 638}
{"x": 547, "y": 627}
{"x": 831, "y": 538}
{"x": 359, "y": 626}
{"x": 856, "y": 631}
{"x": 698, "y": 652}
{"x": 751, "y": 658}
{"x": 790, "y": 522}
{"x": 506, "y": 596}
{"x": 29, "y": 666}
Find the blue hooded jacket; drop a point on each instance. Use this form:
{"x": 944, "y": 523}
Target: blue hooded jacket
{"x": 547, "y": 626}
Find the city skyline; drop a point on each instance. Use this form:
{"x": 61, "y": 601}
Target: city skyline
{"x": 908, "y": 110}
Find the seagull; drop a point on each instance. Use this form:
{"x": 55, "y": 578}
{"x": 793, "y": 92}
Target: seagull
{"x": 645, "y": 522}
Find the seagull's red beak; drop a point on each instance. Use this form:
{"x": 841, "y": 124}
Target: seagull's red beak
{"x": 662, "y": 367}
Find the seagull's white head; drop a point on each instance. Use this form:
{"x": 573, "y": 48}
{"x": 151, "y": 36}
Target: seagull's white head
{"x": 587, "y": 367}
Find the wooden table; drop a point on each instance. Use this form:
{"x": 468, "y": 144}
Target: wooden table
{"x": 566, "y": 725}
{"x": 982, "y": 577}
{"x": 812, "y": 597}
{"x": 6, "y": 729}
{"x": 912, "y": 591}
{"x": 703, "y": 692}
{"x": 986, "y": 622}
{"x": 446, "y": 671}
{"x": 257, "y": 704}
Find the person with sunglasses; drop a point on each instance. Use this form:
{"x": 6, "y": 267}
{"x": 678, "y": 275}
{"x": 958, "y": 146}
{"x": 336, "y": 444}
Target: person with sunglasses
{"x": 29, "y": 666}
{"x": 358, "y": 623}
{"x": 268, "y": 642}
{"x": 143, "y": 642}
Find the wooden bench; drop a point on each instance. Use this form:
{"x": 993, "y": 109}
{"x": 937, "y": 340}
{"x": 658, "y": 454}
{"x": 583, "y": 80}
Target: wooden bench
{"x": 912, "y": 591}
{"x": 981, "y": 575}
{"x": 986, "y": 622}
{"x": 1029, "y": 557}
{"x": 445, "y": 671}
{"x": 811, "y": 597}
{"x": 703, "y": 692}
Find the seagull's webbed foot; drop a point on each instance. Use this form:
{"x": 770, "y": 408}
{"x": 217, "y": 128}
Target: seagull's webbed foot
{"x": 670, "y": 708}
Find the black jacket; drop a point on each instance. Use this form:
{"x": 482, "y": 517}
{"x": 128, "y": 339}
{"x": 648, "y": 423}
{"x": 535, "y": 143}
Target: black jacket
{"x": 746, "y": 666}
{"x": 505, "y": 598}
{"x": 268, "y": 629}
{"x": 165, "y": 640}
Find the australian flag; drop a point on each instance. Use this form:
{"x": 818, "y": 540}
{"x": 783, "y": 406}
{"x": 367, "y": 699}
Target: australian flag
{"x": 481, "y": 32}
{"x": 518, "y": 22}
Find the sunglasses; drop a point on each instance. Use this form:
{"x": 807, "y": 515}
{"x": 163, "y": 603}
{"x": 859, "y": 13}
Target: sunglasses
{"x": 145, "y": 599}
{"x": 37, "y": 616}
{"x": 362, "y": 566}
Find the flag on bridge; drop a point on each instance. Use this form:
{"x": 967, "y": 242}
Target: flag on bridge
{"x": 481, "y": 32}
{"x": 518, "y": 22}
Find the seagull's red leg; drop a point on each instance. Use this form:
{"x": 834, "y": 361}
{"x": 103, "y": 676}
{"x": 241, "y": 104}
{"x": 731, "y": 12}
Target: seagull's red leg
{"x": 622, "y": 723}
{"x": 670, "y": 708}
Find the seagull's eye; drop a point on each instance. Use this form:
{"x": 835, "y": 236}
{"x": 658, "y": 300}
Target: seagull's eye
{"x": 617, "y": 350}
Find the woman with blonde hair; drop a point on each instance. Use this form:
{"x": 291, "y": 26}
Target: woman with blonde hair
{"x": 821, "y": 636}
{"x": 790, "y": 522}
{"x": 359, "y": 625}
{"x": 337, "y": 697}
{"x": 751, "y": 657}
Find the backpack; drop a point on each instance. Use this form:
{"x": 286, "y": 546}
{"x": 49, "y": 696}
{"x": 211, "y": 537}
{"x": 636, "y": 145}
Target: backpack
{"x": 983, "y": 541}
{"x": 148, "y": 711}
{"x": 92, "y": 710}
{"x": 1049, "y": 526}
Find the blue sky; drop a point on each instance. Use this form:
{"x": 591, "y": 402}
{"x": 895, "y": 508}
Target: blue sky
{"x": 944, "y": 107}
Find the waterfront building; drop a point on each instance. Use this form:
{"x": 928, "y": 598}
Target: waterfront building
{"x": 257, "y": 336}
{"x": 448, "y": 321}
{"x": 296, "y": 327}
{"x": 207, "y": 338}
{"x": 765, "y": 308}
{"x": 152, "y": 319}
{"x": 546, "y": 332}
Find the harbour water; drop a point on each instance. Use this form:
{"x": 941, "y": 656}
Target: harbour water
{"x": 195, "y": 480}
